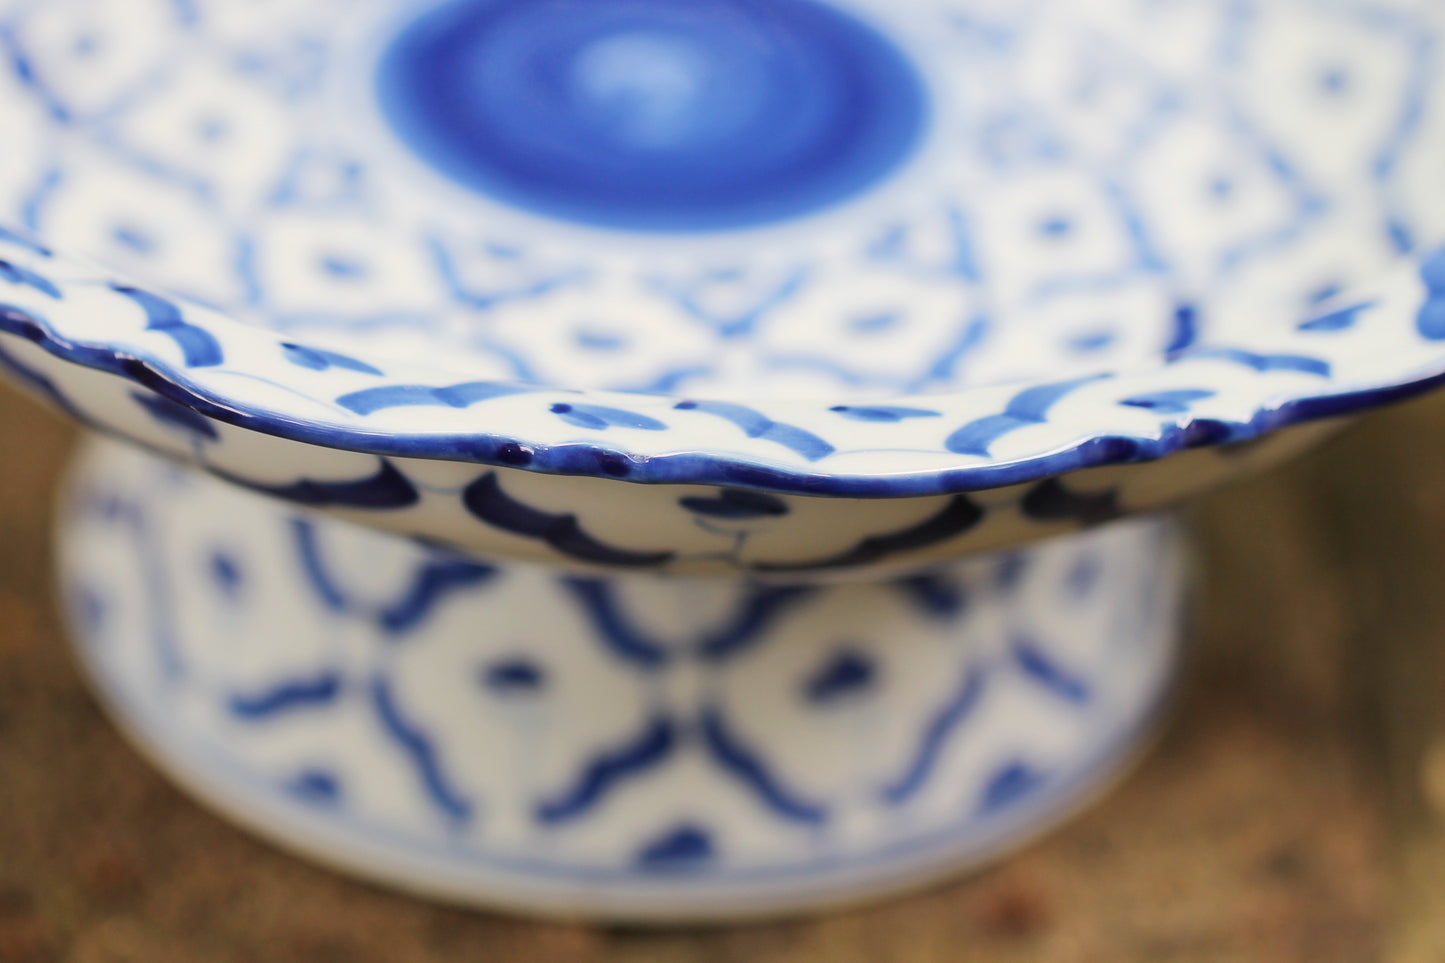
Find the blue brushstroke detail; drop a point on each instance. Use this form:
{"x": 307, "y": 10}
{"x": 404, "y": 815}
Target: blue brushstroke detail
{"x": 1340, "y": 320}
{"x": 371, "y": 400}
{"x": 1260, "y": 362}
{"x": 15, "y": 274}
{"x": 318, "y": 360}
{"x": 599, "y": 340}
{"x": 874, "y": 323}
{"x": 1051, "y": 501}
{"x": 1011, "y": 568}
{"x": 226, "y": 573}
{"x": 741, "y": 323}
{"x": 1432, "y": 273}
{"x": 419, "y": 749}
{"x": 1036, "y": 665}
{"x": 431, "y": 584}
{"x": 308, "y": 553}
{"x": 848, "y": 673}
{"x": 89, "y": 607}
{"x": 600, "y": 416}
{"x": 1010, "y": 784}
{"x": 158, "y": 589}
{"x": 485, "y": 500}
{"x": 735, "y": 504}
{"x": 461, "y": 293}
{"x": 883, "y": 413}
{"x": 1088, "y": 343}
{"x": 134, "y": 238}
{"x": 1400, "y": 235}
{"x": 1186, "y": 329}
{"x": 757, "y": 425}
{"x": 648, "y": 750}
{"x": 1430, "y": 321}
{"x": 1173, "y": 402}
{"x": 13, "y": 319}
{"x": 945, "y": 366}
{"x": 513, "y": 676}
{"x": 19, "y": 239}
{"x": 287, "y": 697}
{"x": 187, "y": 15}
{"x": 1326, "y": 292}
{"x": 199, "y": 347}
{"x": 174, "y": 415}
{"x": 935, "y": 594}
{"x": 742, "y": 762}
{"x": 611, "y": 626}
{"x": 387, "y": 489}
{"x": 316, "y": 786}
{"x": 25, "y": 73}
{"x": 1084, "y": 576}
{"x": 343, "y": 268}
{"x": 957, "y": 517}
{"x": 940, "y": 727}
{"x": 764, "y": 605}
{"x": 1028, "y": 407}
{"x": 679, "y": 850}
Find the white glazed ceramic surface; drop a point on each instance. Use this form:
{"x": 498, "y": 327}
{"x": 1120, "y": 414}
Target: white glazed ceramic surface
{"x": 1120, "y": 231}
{"x": 629, "y": 747}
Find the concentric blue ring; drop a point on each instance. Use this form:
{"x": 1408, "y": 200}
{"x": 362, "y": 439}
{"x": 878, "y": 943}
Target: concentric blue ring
{"x": 653, "y": 115}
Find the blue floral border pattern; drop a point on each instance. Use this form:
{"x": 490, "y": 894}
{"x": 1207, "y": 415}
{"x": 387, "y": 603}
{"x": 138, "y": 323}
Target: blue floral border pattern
{"x": 1358, "y": 351}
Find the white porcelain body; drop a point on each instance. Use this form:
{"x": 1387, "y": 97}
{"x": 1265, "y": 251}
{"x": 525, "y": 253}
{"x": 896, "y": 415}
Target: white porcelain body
{"x": 623, "y": 747}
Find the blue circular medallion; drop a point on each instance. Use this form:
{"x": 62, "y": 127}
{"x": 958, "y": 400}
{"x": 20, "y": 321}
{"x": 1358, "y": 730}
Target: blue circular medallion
{"x": 653, "y": 115}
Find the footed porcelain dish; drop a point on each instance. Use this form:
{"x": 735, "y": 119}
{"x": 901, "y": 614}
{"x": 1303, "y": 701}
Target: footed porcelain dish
{"x": 594, "y": 457}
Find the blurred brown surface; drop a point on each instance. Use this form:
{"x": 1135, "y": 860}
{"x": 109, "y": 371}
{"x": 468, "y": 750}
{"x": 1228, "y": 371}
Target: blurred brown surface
{"x": 1292, "y": 810}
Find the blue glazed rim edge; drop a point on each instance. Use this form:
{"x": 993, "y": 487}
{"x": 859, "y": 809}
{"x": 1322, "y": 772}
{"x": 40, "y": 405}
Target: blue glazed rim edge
{"x": 700, "y": 468}
{"x": 1100, "y": 448}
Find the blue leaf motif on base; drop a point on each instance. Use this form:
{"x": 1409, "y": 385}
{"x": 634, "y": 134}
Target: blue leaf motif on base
{"x": 387, "y": 489}
{"x": 288, "y": 696}
{"x": 175, "y": 415}
{"x": 1052, "y": 501}
{"x": 686, "y": 848}
{"x": 654, "y": 745}
{"x": 485, "y": 500}
{"x": 735, "y": 504}
{"x": 958, "y": 517}
{"x": 420, "y": 749}
{"x": 848, "y": 673}
{"x": 1010, "y": 784}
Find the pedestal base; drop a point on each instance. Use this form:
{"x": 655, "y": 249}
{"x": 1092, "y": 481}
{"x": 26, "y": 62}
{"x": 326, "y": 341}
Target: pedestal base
{"x": 617, "y": 747}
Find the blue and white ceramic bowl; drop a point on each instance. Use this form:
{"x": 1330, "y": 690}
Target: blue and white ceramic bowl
{"x": 778, "y": 289}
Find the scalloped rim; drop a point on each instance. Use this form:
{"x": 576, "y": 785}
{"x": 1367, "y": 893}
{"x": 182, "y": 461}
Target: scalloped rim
{"x": 1389, "y": 319}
